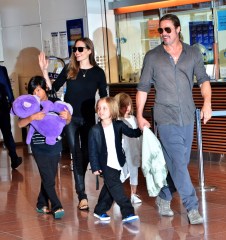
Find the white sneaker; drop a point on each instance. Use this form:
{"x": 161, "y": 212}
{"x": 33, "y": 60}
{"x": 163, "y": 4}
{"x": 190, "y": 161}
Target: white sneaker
{"x": 164, "y": 207}
{"x": 135, "y": 198}
{"x": 194, "y": 217}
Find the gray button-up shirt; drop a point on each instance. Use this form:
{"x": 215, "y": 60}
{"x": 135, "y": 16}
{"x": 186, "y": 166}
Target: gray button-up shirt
{"x": 173, "y": 83}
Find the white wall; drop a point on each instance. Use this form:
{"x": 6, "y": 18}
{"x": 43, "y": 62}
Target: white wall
{"x": 103, "y": 36}
{"x": 1, "y": 47}
{"x": 25, "y": 24}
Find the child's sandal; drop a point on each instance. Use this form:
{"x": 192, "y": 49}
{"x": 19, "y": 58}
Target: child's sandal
{"x": 59, "y": 213}
{"x": 44, "y": 210}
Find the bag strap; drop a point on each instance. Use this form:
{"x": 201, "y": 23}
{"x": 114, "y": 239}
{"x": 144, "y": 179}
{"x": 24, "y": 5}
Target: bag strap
{"x": 52, "y": 93}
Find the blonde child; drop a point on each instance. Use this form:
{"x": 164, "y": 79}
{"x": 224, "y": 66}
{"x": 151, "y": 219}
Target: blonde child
{"x": 131, "y": 146}
{"x": 107, "y": 157}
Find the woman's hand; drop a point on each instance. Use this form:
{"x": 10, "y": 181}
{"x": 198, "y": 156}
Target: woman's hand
{"x": 65, "y": 115}
{"x": 97, "y": 172}
{"x": 43, "y": 61}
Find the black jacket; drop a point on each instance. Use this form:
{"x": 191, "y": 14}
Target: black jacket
{"x": 98, "y": 148}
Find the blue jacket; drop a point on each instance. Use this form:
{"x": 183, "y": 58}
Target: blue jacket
{"x": 5, "y": 84}
{"x": 98, "y": 148}
{"x": 6, "y": 93}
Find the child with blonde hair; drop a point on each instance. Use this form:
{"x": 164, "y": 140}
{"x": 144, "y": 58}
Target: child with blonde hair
{"x": 107, "y": 158}
{"x": 131, "y": 146}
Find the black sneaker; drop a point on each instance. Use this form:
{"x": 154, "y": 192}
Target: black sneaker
{"x": 16, "y": 162}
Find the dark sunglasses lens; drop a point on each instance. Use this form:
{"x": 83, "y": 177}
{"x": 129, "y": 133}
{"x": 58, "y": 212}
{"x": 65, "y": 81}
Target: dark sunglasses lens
{"x": 160, "y": 30}
{"x": 167, "y": 29}
{"x": 80, "y": 49}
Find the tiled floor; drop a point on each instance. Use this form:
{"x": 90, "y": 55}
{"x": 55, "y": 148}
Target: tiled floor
{"x": 19, "y": 220}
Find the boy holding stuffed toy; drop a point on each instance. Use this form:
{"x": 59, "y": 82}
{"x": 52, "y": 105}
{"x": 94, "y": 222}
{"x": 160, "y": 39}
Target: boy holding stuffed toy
{"x": 46, "y": 156}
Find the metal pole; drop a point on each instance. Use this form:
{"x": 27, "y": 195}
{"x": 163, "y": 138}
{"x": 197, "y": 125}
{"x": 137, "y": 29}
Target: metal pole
{"x": 199, "y": 145}
{"x": 153, "y": 125}
{"x": 200, "y": 154}
{"x": 219, "y": 113}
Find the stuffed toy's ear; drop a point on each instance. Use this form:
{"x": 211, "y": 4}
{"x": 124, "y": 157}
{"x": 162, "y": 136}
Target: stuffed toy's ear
{"x": 47, "y": 106}
{"x": 60, "y": 106}
{"x": 25, "y": 105}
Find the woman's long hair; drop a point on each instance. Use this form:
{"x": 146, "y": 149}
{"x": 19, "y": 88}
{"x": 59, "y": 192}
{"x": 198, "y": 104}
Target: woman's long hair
{"x": 73, "y": 66}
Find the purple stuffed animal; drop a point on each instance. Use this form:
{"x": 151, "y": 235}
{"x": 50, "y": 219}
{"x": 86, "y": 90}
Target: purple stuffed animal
{"x": 51, "y": 126}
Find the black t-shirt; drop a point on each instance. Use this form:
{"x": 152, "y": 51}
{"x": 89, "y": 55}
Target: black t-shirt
{"x": 81, "y": 92}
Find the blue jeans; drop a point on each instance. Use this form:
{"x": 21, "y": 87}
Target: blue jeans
{"x": 176, "y": 142}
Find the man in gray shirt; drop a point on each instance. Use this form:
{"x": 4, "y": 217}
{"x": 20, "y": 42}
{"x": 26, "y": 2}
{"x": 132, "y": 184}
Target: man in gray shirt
{"x": 171, "y": 68}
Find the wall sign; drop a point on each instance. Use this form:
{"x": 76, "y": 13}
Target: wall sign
{"x": 202, "y": 35}
{"x": 74, "y": 32}
{"x": 221, "y": 15}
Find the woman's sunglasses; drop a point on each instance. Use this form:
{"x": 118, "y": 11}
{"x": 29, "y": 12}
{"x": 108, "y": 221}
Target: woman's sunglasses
{"x": 167, "y": 29}
{"x": 80, "y": 49}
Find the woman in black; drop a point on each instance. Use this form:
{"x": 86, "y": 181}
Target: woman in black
{"x": 83, "y": 79}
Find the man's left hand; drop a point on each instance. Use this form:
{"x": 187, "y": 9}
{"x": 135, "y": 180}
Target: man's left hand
{"x": 206, "y": 113}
